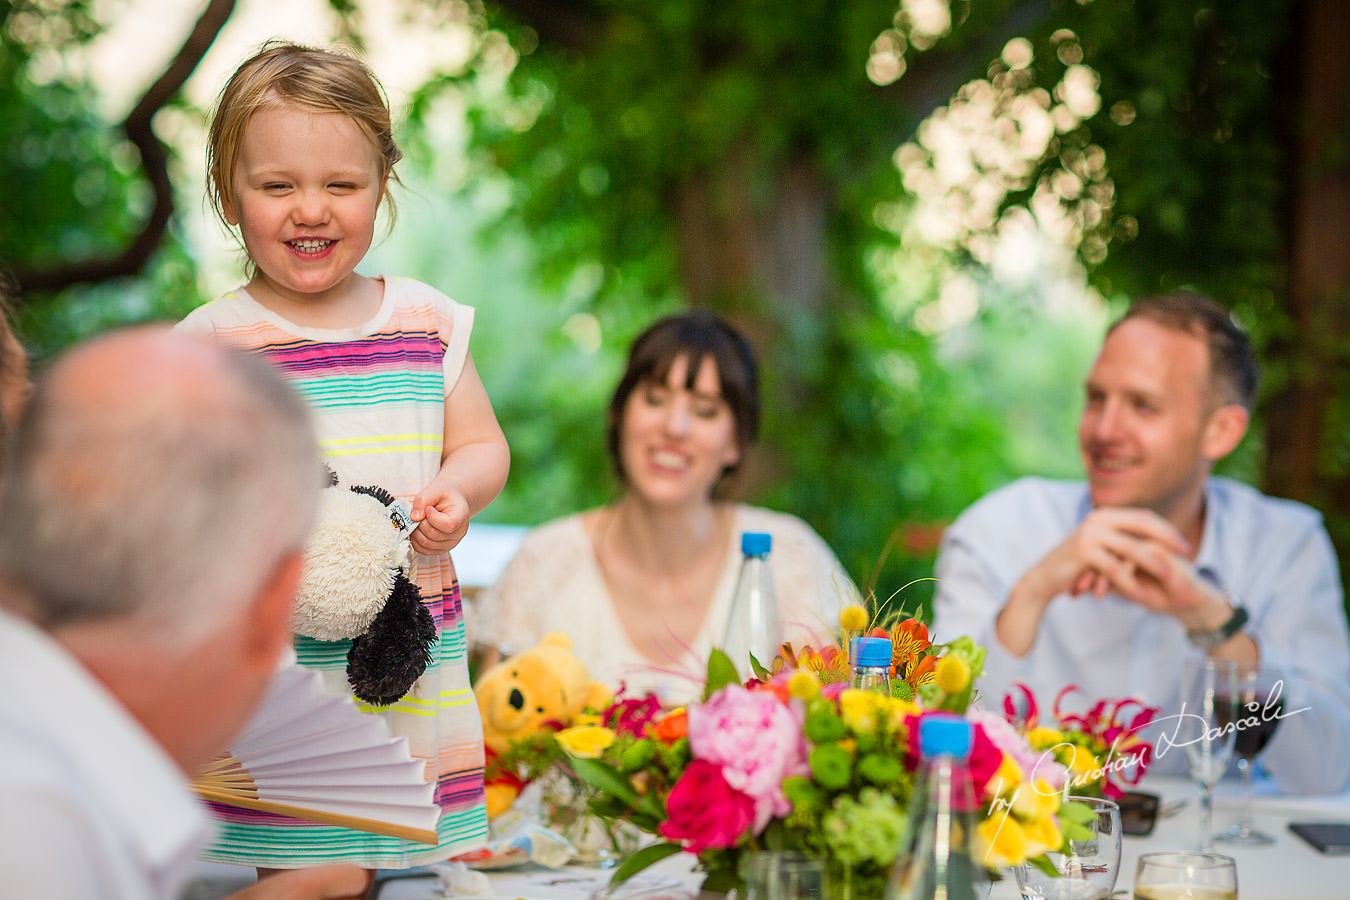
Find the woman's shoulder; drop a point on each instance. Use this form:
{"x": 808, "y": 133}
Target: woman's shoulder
{"x": 783, "y": 526}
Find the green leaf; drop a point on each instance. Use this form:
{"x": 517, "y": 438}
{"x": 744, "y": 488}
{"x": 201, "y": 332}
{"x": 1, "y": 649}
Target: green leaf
{"x": 605, "y": 779}
{"x": 640, "y": 860}
{"x": 1043, "y": 863}
{"x": 1078, "y": 813}
{"x": 757, "y": 667}
{"x": 721, "y": 672}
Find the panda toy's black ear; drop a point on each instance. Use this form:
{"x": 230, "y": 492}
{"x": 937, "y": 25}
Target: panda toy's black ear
{"x": 383, "y": 663}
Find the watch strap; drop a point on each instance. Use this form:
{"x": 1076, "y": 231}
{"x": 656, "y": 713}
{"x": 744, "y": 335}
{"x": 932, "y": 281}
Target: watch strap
{"x": 1208, "y": 640}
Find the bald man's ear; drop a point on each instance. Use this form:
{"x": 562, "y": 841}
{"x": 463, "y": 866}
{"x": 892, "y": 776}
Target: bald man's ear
{"x": 1224, "y": 430}
{"x": 269, "y": 620}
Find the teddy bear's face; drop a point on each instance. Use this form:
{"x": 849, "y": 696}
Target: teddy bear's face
{"x": 519, "y": 695}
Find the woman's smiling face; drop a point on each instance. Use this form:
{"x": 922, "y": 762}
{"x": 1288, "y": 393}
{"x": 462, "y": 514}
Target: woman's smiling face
{"x": 678, "y": 436}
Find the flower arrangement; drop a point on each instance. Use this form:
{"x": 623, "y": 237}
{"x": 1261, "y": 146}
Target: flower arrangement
{"x": 795, "y": 759}
{"x": 1101, "y": 748}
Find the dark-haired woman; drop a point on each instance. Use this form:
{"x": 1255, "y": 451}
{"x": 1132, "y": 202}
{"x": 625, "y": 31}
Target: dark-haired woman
{"x": 643, "y": 586}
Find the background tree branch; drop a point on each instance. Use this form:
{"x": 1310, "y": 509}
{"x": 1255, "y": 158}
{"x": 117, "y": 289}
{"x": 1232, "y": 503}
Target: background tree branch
{"x": 138, "y": 128}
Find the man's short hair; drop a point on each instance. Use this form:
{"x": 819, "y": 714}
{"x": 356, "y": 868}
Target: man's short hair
{"x": 1232, "y": 362}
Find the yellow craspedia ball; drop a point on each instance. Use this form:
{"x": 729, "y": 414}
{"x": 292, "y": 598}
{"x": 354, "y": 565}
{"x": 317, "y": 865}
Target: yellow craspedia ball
{"x": 803, "y": 685}
{"x": 853, "y": 618}
{"x": 953, "y": 674}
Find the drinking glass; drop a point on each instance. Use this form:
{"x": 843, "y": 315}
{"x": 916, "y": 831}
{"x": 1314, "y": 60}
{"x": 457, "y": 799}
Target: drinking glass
{"x": 785, "y": 876}
{"x": 1087, "y": 868}
{"x": 1205, "y": 728}
{"x": 1192, "y": 876}
{"x": 1259, "y": 705}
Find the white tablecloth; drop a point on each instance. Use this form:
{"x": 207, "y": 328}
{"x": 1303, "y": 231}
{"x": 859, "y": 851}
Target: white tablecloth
{"x": 1287, "y": 870}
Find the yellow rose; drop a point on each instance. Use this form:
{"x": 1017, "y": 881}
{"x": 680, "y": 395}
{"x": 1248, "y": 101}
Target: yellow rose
{"x": 1000, "y": 841}
{"x": 897, "y": 711}
{"x": 1036, "y": 801}
{"x": 1079, "y": 760}
{"x": 587, "y": 719}
{"x": 1041, "y": 836}
{"x": 859, "y": 709}
{"x": 953, "y": 674}
{"x": 585, "y": 741}
{"x": 1042, "y": 737}
{"x": 1007, "y": 778}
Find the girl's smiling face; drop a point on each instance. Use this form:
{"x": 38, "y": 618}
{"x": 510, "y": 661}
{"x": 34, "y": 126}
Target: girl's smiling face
{"x": 307, "y": 188}
{"x": 676, "y": 440}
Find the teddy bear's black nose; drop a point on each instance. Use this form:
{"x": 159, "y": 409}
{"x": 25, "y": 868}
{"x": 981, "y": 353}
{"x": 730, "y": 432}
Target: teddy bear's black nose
{"x": 516, "y": 700}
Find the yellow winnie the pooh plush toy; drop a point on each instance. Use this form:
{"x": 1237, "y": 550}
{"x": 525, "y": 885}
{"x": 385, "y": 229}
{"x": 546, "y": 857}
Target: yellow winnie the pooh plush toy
{"x": 524, "y": 693}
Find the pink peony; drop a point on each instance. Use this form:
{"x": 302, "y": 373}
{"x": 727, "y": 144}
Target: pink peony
{"x": 704, "y": 812}
{"x": 757, "y": 741}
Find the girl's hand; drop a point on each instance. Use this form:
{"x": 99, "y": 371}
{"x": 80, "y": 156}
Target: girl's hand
{"x": 442, "y": 513}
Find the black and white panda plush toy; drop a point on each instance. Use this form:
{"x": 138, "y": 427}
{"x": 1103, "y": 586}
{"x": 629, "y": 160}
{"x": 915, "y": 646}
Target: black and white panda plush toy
{"x": 358, "y": 584}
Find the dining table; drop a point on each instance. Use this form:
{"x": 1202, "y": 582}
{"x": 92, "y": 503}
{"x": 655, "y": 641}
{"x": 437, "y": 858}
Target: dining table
{"x": 1288, "y": 869}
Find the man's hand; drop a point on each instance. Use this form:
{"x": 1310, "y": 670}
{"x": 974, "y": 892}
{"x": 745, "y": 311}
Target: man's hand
{"x": 1100, "y": 555}
{"x": 340, "y": 881}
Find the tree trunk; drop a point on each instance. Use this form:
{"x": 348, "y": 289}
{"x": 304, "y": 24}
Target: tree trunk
{"x": 1306, "y": 432}
{"x": 754, "y": 248}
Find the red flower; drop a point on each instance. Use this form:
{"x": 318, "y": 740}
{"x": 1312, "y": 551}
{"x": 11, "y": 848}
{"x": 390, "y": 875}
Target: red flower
{"x": 633, "y": 716}
{"x": 704, "y": 811}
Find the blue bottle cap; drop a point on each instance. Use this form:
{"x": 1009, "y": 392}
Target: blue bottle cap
{"x": 945, "y": 733}
{"x": 756, "y": 543}
{"x": 870, "y": 651}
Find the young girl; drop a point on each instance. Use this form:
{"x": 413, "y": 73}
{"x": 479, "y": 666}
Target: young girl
{"x": 300, "y": 156}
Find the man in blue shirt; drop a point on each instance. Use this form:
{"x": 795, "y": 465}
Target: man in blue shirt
{"x": 1112, "y": 584}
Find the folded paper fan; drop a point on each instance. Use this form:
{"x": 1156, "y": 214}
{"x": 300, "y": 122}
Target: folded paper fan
{"x": 312, "y": 755}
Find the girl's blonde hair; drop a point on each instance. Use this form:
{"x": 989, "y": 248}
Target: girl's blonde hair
{"x": 283, "y": 74}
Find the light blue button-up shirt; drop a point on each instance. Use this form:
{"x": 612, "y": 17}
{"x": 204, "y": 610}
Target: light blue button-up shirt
{"x": 1271, "y": 555}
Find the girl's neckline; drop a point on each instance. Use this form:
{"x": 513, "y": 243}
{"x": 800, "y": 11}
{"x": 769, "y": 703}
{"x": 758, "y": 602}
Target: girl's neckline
{"x": 364, "y": 329}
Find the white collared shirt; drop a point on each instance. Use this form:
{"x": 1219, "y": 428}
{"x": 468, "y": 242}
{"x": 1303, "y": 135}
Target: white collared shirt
{"x": 90, "y": 805}
{"x": 1271, "y": 555}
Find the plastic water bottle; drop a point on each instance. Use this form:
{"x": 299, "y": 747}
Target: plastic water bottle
{"x": 937, "y": 860}
{"x": 753, "y": 626}
{"x": 870, "y": 658}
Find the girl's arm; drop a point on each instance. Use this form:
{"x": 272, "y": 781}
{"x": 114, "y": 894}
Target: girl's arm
{"x": 474, "y": 463}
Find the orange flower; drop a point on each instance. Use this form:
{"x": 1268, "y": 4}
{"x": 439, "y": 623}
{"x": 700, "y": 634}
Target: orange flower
{"x": 671, "y": 728}
{"x": 908, "y": 640}
{"x": 921, "y": 670}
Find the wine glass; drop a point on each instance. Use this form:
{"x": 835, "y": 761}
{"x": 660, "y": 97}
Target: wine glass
{"x": 1259, "y": 706}
{"x": 1206, "y": 729}
{"x": 1195, "y": 876}
{"x": 1086, "y": 868}
{"x": 785, "y": 875}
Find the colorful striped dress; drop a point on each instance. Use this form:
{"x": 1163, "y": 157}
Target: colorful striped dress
{"x": 378, "y": 394}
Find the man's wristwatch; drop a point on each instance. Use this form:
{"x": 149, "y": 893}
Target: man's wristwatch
{"x": 1208, "y": 640}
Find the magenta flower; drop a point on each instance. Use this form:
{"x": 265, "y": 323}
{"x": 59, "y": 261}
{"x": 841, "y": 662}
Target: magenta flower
{"x": 757, "y": 740}
{"x": 704, "y": 812}
{"x": 632, "y": 716}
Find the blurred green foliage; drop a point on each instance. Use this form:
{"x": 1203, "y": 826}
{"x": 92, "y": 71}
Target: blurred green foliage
{"x": 559, "y": 222}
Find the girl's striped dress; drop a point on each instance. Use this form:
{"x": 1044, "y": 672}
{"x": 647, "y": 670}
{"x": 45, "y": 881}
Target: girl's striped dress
{"x": 378, "y": 393}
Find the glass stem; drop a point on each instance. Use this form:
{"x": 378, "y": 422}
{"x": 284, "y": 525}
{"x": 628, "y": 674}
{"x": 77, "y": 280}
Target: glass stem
{"x": 1206, "y": 818}
{"x": 1247, "y": 767}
